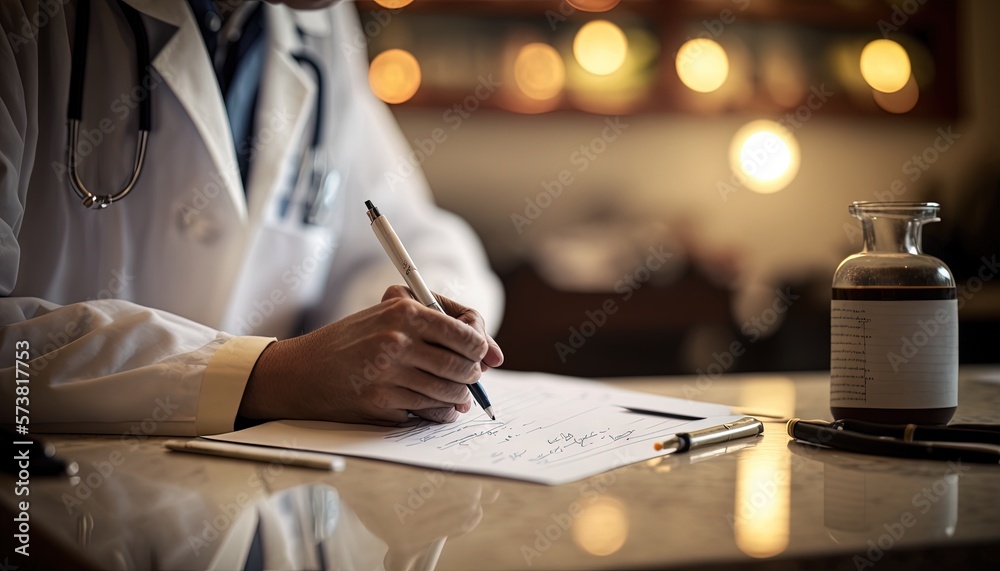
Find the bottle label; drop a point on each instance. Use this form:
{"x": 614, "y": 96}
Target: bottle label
{"x": 894, "y": 354}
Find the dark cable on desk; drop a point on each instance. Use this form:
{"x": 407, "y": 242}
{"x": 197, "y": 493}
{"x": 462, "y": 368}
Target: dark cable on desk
{"x": 981, "y": 433}
{"x": 827, "y": 435}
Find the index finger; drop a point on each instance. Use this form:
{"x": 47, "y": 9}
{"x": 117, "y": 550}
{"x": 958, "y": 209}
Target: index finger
{"x": 494, "y": 356}
{"x": 453, "y": 334}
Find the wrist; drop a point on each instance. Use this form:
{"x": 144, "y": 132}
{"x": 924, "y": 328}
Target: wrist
{"x": 259, "y": 402}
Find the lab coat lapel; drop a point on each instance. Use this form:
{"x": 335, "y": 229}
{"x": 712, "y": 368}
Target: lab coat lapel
{"x": 185, "y": 67}
{"x": 285, "y": 102}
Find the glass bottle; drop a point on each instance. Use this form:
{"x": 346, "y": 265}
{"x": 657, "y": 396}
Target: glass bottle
{"x": 893, "y": 322}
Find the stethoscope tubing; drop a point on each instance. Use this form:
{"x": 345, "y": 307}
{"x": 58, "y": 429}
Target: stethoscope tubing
{"x": 74, "y": 112}
{"x": 321, "y": 180}
{"x": 979, "y": 433}
{"x": 826, "y": 435}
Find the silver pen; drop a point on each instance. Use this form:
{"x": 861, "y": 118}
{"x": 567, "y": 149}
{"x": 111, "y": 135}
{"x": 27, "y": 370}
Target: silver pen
{"x": 401, "y": 259}
{"x": 684, "y": 441}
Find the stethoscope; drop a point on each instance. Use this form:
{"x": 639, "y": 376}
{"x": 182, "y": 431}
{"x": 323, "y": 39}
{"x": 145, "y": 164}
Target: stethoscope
{"x": 966, "y": 442}
{"x": 323, "y": 182}
{"x": 74, "y": 113}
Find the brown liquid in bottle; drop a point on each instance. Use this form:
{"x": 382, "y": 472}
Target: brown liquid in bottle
{"x": 894, "y": 415}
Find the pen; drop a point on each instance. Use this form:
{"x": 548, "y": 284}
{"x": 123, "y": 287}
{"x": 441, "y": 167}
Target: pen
{"x": 397, "y": 253}
{"x": 684, "y": 441}
{"x": 259, "y": 453}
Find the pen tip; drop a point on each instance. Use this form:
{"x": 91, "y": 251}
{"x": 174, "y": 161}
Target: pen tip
{"x": 369, "y": 204}
{"x": 489, "y": 411}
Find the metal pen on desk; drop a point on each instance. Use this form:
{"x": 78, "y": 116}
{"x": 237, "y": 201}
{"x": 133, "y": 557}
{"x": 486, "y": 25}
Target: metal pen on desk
{"x": 401, "y": 259}
{"x": 268, "y": 454}
{"x": 684, "y": 441}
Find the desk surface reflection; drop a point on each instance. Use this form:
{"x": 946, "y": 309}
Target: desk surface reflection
{"x": 764, "y": 503}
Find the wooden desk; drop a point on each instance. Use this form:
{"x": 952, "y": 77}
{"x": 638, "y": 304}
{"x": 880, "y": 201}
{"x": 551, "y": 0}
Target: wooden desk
{"x": 764, "y": 504}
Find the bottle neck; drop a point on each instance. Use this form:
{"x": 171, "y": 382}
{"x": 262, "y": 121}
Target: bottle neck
{"x": 891, "y": 235}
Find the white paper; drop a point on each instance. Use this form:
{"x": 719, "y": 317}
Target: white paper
{"x": 548, "y": 430}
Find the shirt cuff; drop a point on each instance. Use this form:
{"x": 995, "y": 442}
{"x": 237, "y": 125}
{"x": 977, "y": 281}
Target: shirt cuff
{"x": 225, "y": 378}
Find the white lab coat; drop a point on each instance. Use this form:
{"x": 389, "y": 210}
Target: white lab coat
{"x": 148, "y": 316}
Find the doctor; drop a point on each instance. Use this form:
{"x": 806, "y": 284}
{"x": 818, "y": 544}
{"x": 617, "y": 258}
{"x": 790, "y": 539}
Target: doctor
{"x": 162, "y": 310}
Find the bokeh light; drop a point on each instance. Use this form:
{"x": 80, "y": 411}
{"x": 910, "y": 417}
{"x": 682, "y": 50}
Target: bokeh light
{"x": 539, "y": 71}
{"x": 394, "y": 76}
{"x": 601, "y": 528}
{"x": 761, "y": 516}
{"x": 702, "y": 65}
{"x": 393, "y": 4}
{"x": 593, "y": 5}
{"x": 623, "y": 91}
{"x": 600, "y": 47}
{"x": 764, "y": 155}
{"x": 762, "y": 519}
{"x": 900, "y": 101}
{"x": 885, "y": 65}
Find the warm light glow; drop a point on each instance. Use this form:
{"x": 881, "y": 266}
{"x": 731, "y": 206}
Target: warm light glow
{"x": 600, "y": 47}
{"x": 539, "y": 71}
{"x": 765, "y": 156}
{"x": 601, "y": 528}
{"x": 702, "y": 65}
{"x": 623, "y": 91}
{"x": 769, "y": 395}
{"x": 394, "y": 76}
{"x": 885, "y": 65}
{"x": 901, "y": 101}
{"x": 593, "y": 5}
{"x": 762, "y": 512}
{"x": 393, "y": 4}
{"x": 769, "y": 145}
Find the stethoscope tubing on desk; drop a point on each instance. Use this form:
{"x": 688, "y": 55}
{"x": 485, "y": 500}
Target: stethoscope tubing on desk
{"x": 979, "y": 433}
{"x": 826, "y": 435}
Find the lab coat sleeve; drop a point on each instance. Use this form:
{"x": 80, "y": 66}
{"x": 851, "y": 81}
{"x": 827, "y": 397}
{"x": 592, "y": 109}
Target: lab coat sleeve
{"x": 114, "y": 367}
{"x": 18, "y": 134}
{"x": 447, "y": 251}
{"x": 104, "y": 366}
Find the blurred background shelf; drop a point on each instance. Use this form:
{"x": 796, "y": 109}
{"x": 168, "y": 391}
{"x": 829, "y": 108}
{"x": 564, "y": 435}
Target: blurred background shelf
{"x": 777, "y": 51}
{"x": 512, "y": 132}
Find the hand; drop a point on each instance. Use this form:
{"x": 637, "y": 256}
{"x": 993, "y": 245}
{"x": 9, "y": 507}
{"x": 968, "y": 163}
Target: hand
{"x": 375, "y": 366}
